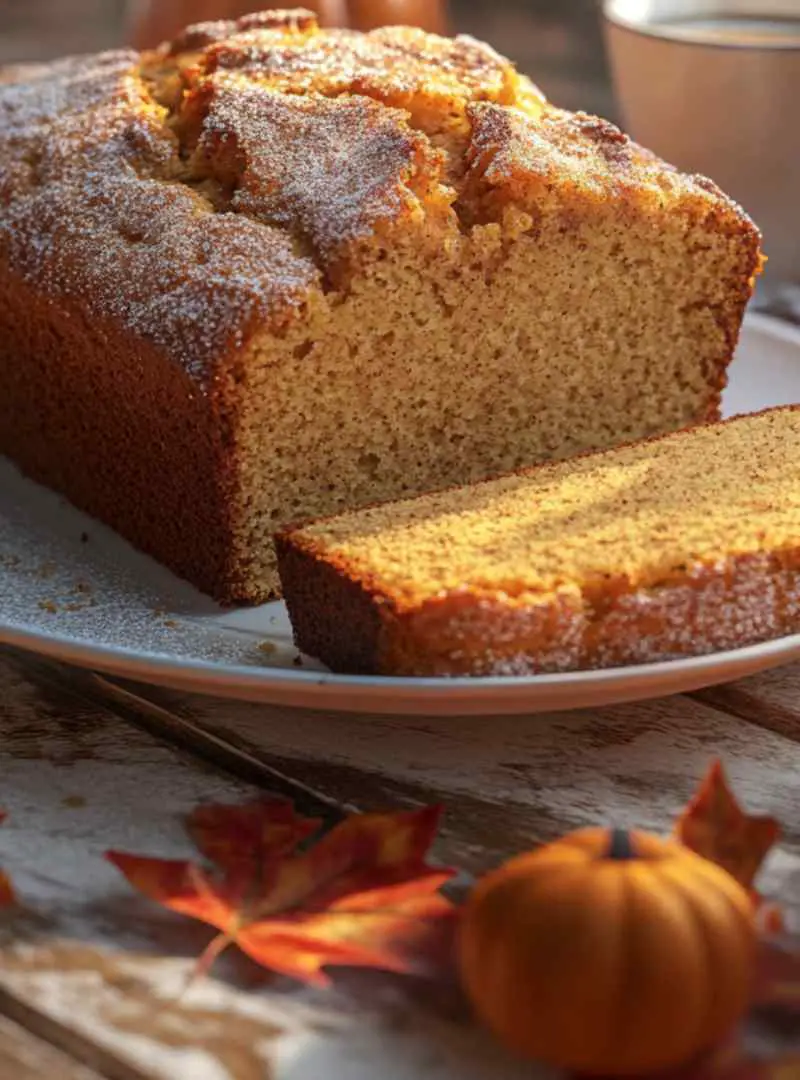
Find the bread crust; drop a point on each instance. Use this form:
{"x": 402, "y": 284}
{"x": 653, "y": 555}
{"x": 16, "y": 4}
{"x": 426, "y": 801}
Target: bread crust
{"x": 712, "y": 608}
{"x": 179, "y": 227}
{"x": 353, "y": 625}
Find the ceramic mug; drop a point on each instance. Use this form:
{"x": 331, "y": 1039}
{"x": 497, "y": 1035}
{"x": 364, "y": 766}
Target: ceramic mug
{"x": 713, "y": 86}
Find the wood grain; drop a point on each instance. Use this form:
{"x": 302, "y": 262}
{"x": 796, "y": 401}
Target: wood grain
{"x": 101, "y": 973}
{"x": 770, "y": 700}
{"x": 506, "y": 782}
{"x": 23, "y": 1056}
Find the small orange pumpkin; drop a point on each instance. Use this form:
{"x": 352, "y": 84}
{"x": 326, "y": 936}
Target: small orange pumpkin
{"x": 609, "y": 952}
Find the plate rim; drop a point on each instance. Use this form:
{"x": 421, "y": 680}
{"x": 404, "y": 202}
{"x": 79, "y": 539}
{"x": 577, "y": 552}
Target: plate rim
{"x": 248, "y": 675}
{"x": 773, "y": 325}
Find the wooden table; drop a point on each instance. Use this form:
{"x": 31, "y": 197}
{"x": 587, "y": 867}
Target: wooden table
{"x": 92, "y": 976}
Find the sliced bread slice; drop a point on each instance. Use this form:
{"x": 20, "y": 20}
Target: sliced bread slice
{"x": 677, "y": 546}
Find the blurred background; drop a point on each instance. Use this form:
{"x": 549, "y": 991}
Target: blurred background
{"x": 558, "y": 42}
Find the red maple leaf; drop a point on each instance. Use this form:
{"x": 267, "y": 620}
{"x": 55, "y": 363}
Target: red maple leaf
{"x": 244, "y": 837}
{"x": 7, "y": 895}
{"x": 716, "y": 827}
{"x": 363, "y": 895}
{"x": 778, "y": 974}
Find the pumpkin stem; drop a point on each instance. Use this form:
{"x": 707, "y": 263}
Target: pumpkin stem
{"x": 620, "y": 846}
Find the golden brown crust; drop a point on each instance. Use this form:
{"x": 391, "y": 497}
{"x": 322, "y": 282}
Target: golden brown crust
{"x": 395, "y": 64}
{"x": 89, "y": 157}
{"x": 91, "y": 218}
{"x": 293, "y": 162}
{"x": 199, "y": 36}
{"x": 741, "y": 601}
{"x": 537, "y": 161}
{"x": 346, "y": 618}
{"x": 144, "y": 452}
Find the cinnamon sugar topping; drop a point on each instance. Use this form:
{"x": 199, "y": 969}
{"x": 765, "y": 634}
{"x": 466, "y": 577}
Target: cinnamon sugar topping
{"x": 199, "y": 35}
{"x": 218, "y": 183}
{"x": 392, "y": 64}
{"x": 328, "y": 171}
{"x": 228, "y": 166}
{"x": 86, "y": 167}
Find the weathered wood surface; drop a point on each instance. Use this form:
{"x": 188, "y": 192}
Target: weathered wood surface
{"x": 100, "y": 973}
{"x": 507, "y": 782}
{"x": 771, "y": 700}
{"x": 94, "y": 973}
{"x": 23, "y": 1056}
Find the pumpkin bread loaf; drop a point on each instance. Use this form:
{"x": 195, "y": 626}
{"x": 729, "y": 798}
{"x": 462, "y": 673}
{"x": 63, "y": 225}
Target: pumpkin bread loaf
{"x": 676, "y": 546}
{"x": 270, "y": 271}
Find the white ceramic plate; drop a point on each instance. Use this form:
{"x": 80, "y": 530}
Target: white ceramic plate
{"x": 99, "y": 604}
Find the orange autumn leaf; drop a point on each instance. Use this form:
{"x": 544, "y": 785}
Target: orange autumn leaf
{"x": 716, "y": 827}
{"x": 243, "y": 837}
{"x": 362, "y": 896}
{"x": 770, "y": 917}
{"x": 778, "y": 975}
{"x": 7, "y": 895}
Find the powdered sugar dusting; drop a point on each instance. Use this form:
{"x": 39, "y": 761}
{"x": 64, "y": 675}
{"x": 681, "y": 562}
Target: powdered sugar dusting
{"x": 390, "y": 64}
{"x": 737, "y": 602}
{"x": 106, "y": 208}
{"x": 284, "y": 20}
{"x": 92, "y": 215}
{"x": 679, "y": 546}
{"x": 559, "y": 148}
{"x": 326, "y": 170}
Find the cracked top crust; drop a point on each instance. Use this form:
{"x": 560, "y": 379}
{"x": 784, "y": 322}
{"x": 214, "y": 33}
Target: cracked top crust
{"x": 214, "y": 186}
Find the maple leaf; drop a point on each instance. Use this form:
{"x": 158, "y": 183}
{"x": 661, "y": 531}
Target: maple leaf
{"x": 778, "y": 974}
{"x": 7, "y": 895}
{"x": 363, "y": 895}
{"x": 716, "y": 827}
{"x": 770, "y": 917}
{"x": 242, "y": 837}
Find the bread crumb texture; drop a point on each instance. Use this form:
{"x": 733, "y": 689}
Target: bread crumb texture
{"x": 270, "y": 271}
{"x": 677, "y": 546}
